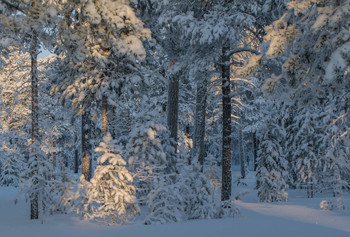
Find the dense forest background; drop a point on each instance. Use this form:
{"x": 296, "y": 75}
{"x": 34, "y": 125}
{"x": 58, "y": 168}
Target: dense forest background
{"x": 151, "y": 103}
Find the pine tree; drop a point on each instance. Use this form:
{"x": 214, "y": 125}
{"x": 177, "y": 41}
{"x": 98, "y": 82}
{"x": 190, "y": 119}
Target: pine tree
{"x": 110, "y": 195}
{"x": 165, "y": 202}
{"x": 102, "y": 52}
{"x": 12, "y": 164}
{"x": 39, "y": 182}
{"x": 307, "y": 150}
{"x": 272, "y": 167}
{"x": 145, "y": 155}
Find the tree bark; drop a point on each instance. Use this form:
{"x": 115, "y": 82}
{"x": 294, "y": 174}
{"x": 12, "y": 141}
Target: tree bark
{"x": 173, "y": 108}
{"x": 240, "y": 138}
{"x": 255, "y": 141}
{"x": 113, "y": 123}
{"x": 34, "y": 205}
{"x": 104, "y": 116}
{"x": 54, "y": 154}
{"x": 86, "y": 146}
{"x": 226, "y": 127}
{"x": 241, "y": 149}
{"x": 199, "y": 129}
{"x": 76, "y": 156}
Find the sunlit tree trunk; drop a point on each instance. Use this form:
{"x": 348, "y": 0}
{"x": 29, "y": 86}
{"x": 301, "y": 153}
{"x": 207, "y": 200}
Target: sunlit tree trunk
{"x": 104, "y": 116}
{"x": 86, "y": 146}
{"x": 226, "y": 126}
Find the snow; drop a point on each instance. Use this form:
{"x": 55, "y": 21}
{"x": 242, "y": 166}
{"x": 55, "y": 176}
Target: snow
{"x": 297, "y": 217}
{"x": 337, "y": 62}
{"x": 320, "y": 22}
{"x": 300, "y": 213}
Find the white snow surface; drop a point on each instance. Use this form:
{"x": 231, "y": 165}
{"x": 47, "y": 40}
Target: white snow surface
{"x": 296, "y": 218}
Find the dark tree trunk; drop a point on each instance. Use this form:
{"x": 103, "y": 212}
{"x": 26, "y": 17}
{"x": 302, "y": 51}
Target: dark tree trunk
{"x": 76, "y": 156}
{"x": 241, "y": 149}
{"x": 173, "y": 108}
{"x": 199, "y": 129}
{"x": 104, "y": 116}
{"x": 226, "y": 126}
{"x": 86, "y": 146}
{"x": 54, "y": 154}
{"x": 113, "y": 123}
{"x": 34, "y": 205}
{"x": 240, "y": 138}
{"x": 255, "y": 141}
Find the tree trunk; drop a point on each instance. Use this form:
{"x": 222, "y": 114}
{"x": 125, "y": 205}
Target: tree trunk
{"x": 86, "y": 146}
{"x": 226, "y": 126}
{"x": 54, "y": 154}
{"x": 113, "y": 123}
{"x": 76, "y": 156}
{"x": 255, "y": 141}
{"x": 241, "y": 148}
{"x": 240, "y": 138}
{"x": 34, "y": 205}
{"x": 104, "y": 116}
{"x": 173, "y": 108}
{"x": 199, "y": 129}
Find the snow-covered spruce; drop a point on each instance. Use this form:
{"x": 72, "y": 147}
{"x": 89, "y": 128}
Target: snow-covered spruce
{"x": 185, "y": 196}
{"x": 145, "y": 155}
{"x": 40, "y": 183}
{"x": 109, "y": 196}
{"x": 306, "y": 153}
{"x": 12, "y": 163}
{"x": 197, "y": 194}
{"x": 165, "y": 202}
{"x": 272, "y": 167}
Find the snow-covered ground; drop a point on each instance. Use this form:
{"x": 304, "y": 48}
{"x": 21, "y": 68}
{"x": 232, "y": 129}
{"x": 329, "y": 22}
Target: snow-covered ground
{"x": 296, "y": 218}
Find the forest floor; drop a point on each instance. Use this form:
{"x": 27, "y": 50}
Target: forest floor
{"x": 296, "y": 218}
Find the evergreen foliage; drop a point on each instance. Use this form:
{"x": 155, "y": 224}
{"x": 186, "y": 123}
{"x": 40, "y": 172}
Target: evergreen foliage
{"x": 110, "y": 195}
{"x": 272, "y": 167}
{"x": 171, "y": 81}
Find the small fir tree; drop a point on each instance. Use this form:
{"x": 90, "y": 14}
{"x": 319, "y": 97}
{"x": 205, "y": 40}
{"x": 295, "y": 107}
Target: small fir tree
{"x": 272, "y": 167}
{"x": 11, "y": 166}
{"x": 145, "y": 155}
{"x": 39, "y": 181}
{"x": 109, "y": 196}
{"x": 165, "y": 202}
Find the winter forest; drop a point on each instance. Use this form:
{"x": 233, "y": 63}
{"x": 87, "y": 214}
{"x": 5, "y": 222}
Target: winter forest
{"x": 163, "y": 111}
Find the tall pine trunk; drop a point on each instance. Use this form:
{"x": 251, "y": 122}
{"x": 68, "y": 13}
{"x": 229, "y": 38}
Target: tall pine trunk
{"x": 86, "y": 146}
{"x": 226, "y": 126}
{"x": 240, "y": 138}
{"x": 173, "y": 108}
{"x": 241, "y": 149}
{"x": 199, "y": 129}
{"x": 34, "y": 205}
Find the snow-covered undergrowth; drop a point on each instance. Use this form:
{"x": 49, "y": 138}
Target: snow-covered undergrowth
{"x": 299, "y": 216}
